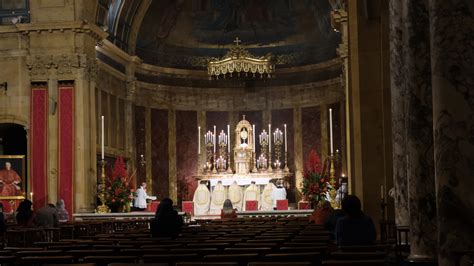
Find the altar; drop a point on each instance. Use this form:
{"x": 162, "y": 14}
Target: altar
{"x": 260, "y": 179}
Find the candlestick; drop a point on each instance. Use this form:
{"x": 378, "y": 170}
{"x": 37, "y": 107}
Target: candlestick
{"x": 330, "y": 131}
{"x": 102, "y": 137}
{"x": 228, "y": 136}
{"x": 214, "y": 139}
{"x": 199, "y": 140}
{"x": 286, "y": 146}
{"x": 253, "y": 137}
{"x": 269, "y": 140}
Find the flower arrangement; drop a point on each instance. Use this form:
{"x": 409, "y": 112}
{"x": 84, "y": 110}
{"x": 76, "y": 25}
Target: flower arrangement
{"x": 315, "y": 185}
{"x": 119, "y": 191}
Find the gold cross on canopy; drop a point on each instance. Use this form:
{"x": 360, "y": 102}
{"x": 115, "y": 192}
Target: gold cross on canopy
{"x": 237, "y": 41}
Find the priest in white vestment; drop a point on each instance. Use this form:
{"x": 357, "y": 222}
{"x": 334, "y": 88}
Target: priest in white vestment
{"x": 266, "y": 202}
{"x": 236, "y": 195}
{"x": 252, "y": 192}
{"x": 278, "y": 193}
{"x": 218, "y": 197}
{"x": 201, "y": 199}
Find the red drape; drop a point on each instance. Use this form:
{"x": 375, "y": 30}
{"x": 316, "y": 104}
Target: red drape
{"x": 39, "y": 144}
{"x": 66, "y": 145}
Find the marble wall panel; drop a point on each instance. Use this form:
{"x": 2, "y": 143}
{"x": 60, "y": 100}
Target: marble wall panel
{"x": 186, "y": 153}
{"x": 159, "y": 152}
{"x": 140, "y": 142}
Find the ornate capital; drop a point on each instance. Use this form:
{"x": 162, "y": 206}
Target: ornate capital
{"x": 63, "y": 64}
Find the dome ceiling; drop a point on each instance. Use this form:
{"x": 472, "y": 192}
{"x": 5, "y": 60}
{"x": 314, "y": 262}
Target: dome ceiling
{"x": 186, "y": 33}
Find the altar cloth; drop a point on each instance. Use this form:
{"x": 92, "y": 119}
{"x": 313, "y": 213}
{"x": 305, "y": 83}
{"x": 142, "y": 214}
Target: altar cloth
{"x": 241, "y": 181}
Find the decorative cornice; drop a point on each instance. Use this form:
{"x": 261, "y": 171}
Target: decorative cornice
{"x": 64, "y": 64}
{"x": 74, "y": 26}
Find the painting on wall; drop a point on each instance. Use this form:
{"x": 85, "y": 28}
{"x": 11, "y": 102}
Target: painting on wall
{"x": 12, "y": 177}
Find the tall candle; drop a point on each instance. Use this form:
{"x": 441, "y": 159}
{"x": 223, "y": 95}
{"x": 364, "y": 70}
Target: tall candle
{"x": 253, "y": 138}
{"x": 330, "y": 131}
{"x": 286, "y": 146}
{"x": 199, "y": 140}
{"x": 228, "y": 137}
{"x": 31, "y": 196}
{"x": 102, "y": 137}
{"x": 269, "y": 140}
{"x": 214, "y": 140}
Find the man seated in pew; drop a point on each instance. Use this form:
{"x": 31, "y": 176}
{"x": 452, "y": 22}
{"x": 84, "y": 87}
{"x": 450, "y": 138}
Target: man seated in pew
{"x": 355, "y": 228}
{"x": 139, "y": 203}
{"x": 167, "y": 221}
{"x": 47, "y": 216}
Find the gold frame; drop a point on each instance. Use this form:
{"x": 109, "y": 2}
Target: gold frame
{"x": 23, "y": 177}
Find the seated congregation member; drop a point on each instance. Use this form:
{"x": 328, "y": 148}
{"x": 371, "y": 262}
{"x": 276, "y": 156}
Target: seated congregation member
{"x": 355, "y": 228}
{"x": 236, "y": 195}
{"x": 47, "y": 217}
{"x": 63, "y": 214}
{"x": 3, "y": 224}
{"x": 266, "y": 201}
{"x": 228, "y": 212}
{"x": 167, "y": 222}
{"x": 24, "y": 214}
{"x": 252, "y": 192}
{"x": 139, "y": 203}
{"x": 321, "y": 213}
{"x": 218, "y": 197}
{"x": 201, "y": 199}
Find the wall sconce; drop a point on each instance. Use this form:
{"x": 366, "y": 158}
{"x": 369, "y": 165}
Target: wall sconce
{"x": 4, "y": 88}
{"x": 142, "y": 160}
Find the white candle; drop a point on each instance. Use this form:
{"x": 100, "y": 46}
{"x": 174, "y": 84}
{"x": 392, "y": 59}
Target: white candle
{"x": 253, "y": 138}
{"x": 269, "y": 140}
{"x": 286, "y": 146}
{"x": 199, "y": 140}
{"x": 330, "y": 131}
{"x": 214, "y": 140}
{"x": 228, "y": 142}
{"x": 31, "y": 196}
{"x": 102, "y": 137}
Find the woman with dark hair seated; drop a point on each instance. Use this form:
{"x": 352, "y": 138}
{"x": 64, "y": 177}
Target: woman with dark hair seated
{"x": 24, "y": 214}
{"x": 167, "y": 222}
{"x": 355, "y": 228}
{"x": 228, "y": 212}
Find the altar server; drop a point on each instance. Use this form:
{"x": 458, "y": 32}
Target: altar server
{"x": 252, "y": 192}
{"x": 201, "y": 199}
{"x": 218, "y": 197}
{"x": 278, "y": 193}
{"x": 266, "y": 202}
{"x": 141, "y": 196}
{"x": 236, "y": 195}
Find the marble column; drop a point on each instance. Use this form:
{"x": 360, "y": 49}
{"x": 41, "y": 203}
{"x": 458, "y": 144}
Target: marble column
{"x": 398, "y": 98}
{"x": 452, "y": 66}
{"x": 298, "y": 152}
{"x": 52, "y": 139}
{"x": 324, "y": 152}
{"x": 412, "y": 125}
{"x": 201, "y": 121}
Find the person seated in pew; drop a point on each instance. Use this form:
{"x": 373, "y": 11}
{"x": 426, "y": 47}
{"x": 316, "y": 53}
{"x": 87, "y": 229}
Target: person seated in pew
{"x": 228, "y": 212}
{"x": 321, "y": 213}
{"x": 167, "y": 221}
{"x": 24, "y": 214}
{"x": 63, "y": 214}
{"x": 47, "y": 216}
{"x": 355, "y": 228}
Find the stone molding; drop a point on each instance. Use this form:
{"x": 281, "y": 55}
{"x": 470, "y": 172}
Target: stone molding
{"x": 65, "y": 65}
{"x": 49, "y": 27}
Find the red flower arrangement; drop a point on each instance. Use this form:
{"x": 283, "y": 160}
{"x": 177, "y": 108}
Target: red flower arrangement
{"x": 119, "y": 190}
{"x": 315, "y": 185}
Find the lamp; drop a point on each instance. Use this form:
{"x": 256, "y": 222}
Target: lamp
{"x": 238, "y": 60}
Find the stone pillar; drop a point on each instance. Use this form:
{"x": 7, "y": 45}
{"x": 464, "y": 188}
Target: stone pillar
{"x": 201, "y": 121}
{"x": 324, "y": 152}
{"x": 52, "y": 195}
{"x": 148, "y": 159}
{"x": 412, "y": 109}
{"x": 172, "y": 175}
{"x": 298, "y": 151}
{"x": 399, "y": 133}
{"x": 452, "y": 57}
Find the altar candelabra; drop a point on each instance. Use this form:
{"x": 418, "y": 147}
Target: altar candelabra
{"x": 264, "y": 141}
{"x": 209, "y": 142}
{"x": 221, "y": 164}
{"x": 261, "y": 163}
{"x": 278, "y": 141}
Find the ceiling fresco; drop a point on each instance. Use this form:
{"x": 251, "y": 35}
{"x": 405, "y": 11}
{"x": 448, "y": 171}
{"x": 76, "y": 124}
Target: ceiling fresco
{"x": 187, "y": 33}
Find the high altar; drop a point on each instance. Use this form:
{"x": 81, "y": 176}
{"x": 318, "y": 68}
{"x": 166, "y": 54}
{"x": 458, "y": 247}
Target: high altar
{"x": 246, "y": 167}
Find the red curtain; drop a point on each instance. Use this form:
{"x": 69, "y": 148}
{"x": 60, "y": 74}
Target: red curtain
{"x": 66, "y": 145}
{"x": 39, "y": 144}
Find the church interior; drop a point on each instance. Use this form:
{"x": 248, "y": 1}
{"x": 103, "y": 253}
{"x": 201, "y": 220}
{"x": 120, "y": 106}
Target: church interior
{"x": 116, "y": 111}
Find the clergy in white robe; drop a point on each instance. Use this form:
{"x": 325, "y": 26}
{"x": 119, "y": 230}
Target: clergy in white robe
{"x": 218, "y": 197}
{"x": 236, "y": 195}
{"x": 252, "y": 192}
{"x": 201, "y": 199}
{"x": 278, "y": 193}
{"x": 266, "y": 202}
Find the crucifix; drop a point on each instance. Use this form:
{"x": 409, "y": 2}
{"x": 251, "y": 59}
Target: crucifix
{"x": 237, "y": 41}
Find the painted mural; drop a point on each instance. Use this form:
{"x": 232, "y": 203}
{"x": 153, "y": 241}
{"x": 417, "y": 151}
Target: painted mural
{"x": 185, "y": 34}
